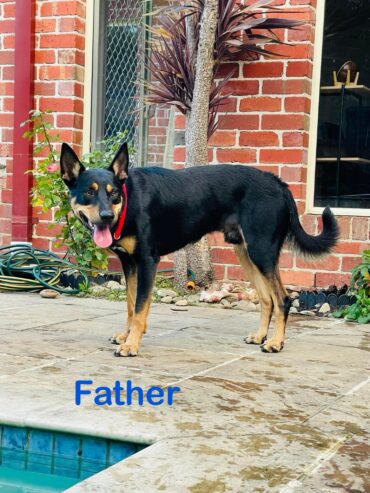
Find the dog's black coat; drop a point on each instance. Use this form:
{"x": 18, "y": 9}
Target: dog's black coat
{"x": 169, "y": 209}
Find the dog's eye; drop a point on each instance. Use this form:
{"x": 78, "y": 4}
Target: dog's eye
{"x": 114, "y": 195}
{"x": 90, "y": 192}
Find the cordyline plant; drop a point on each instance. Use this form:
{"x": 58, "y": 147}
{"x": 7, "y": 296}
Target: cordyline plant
{"x": 189, "y": 45}
{"x": 241, "y": 34}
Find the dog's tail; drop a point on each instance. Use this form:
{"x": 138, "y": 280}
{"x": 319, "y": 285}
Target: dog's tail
{"x": 312, "y": 246}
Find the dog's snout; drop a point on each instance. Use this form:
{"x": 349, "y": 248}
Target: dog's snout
{"x": 106, "y": 215}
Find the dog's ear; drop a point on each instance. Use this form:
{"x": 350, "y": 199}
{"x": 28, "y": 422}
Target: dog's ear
{"x": 70, "y": 165}
{"x": 119, "y": 165}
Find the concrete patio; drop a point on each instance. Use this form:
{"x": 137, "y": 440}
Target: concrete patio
{"x": 245, "y": 421}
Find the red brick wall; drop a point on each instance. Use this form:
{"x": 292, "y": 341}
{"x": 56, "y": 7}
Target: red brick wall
{"x": 6, "y": 116}
{"x": 59, "y": 73}
{"x": 264, "y": 124}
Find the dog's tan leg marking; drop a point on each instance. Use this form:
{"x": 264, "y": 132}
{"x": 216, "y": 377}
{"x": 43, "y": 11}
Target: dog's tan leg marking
{"x": 278, "y": 293}
{"x": 260, "y": 283}
{"x": 137, "y": 330}
{"x": 131, "y": 285}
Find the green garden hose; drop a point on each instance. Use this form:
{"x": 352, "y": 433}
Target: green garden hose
{"x": 25, "y": 268}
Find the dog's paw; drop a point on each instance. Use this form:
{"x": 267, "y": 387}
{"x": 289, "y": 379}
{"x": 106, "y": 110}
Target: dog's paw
{"x": 272, "y": 346}
{"x": 255, "y": 338}
{"x": 125, "y": 350}
{"x": 119, "y": 338}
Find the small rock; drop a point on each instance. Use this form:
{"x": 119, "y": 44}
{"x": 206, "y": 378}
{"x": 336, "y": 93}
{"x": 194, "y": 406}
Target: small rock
{"x": 225, "y": 303}
{"x": 177, "y": 308}
{"x": 234, "y": 304}
{"x": 293, "y": 309}
{"x": 294, "y": 294}
{"x": 49, "y": 293}
{"x": 162, "y": 293}
{"x": 177, "y": 298}
{"x": 98, "y": 290}
{"x": 166, "y": 299}
{"x": 295, "y": 304}
{"x": 113, "y": 285}
{"x": 307, "y": 312}
{"x": 193, "y": 298}
{"x": 181, "y": 303}
{"x": 325, "y": 308}
{"x": 248, "y": 306}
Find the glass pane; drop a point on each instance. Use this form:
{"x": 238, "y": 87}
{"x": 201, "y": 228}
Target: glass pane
{"x": 343, "y": 143}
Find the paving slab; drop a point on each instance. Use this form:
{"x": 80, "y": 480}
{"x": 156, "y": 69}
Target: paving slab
{"x": 244, "y": 421}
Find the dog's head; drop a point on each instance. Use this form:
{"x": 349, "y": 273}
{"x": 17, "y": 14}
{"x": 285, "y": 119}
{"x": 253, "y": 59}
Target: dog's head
{"x": 96, "y": 196}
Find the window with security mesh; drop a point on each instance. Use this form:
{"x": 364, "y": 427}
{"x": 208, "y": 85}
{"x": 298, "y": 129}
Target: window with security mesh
{"x": 118, "y": 67}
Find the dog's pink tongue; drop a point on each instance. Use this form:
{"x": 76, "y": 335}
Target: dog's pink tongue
{"x": 102, "y": 236}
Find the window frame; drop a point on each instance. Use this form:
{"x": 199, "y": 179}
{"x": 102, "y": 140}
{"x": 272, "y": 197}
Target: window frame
{"x": 314, "y": 119}
{"x": 93, "y": 84}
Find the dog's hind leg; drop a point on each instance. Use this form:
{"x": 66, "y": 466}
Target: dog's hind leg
{"x": 281, "y": 311}
{"x": 146, "y": 269}
{"x": 259, "y": 281}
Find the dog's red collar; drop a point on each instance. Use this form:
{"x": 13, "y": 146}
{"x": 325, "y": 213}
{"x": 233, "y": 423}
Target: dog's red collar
{"x": 122, "y": 218}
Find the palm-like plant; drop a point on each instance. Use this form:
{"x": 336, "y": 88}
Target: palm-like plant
{"x": 242, "y": 32}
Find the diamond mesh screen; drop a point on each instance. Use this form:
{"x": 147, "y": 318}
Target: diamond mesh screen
{"x": 124, "y": 38}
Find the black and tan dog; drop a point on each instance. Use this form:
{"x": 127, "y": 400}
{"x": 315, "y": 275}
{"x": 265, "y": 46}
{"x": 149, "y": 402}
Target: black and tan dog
{"x": 144, "y": 213}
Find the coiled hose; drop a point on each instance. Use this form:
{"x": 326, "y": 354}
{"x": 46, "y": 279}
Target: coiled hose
{"x": 25, "y": 268}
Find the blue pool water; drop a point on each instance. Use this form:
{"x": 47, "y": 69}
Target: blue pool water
{"x": 41, "y": 461}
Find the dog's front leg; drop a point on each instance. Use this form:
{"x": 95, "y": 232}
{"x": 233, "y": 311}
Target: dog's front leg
{"x": 130, "y": 271}
{"x": 146, "y": 269}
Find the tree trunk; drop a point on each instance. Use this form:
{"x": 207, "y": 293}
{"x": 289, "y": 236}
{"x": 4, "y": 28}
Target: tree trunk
{"x": 196, "y": 257}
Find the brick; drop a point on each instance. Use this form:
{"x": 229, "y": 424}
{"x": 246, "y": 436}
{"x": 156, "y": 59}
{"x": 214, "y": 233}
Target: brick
{"x": 216, "y": 239}
{"x": 294, "y": 139}
{"x": 6, "y": 119}
{"x": 325, "y": 279}
{"x": 7, "y": 26}
{"x": 228, "y": 69}
{"x": 260, "y": 104}
{"x": 258, "y": 139}
{"x": 222, "y": 139}
{"x": 6, "y": 57}
{"x": 286, "y": 260}
{"x": 236, "y": 155}
{"x": 219, "y": 271}
{"x": 180, "y": 122}
{"x": 292, "y": 51}
{"x": 302, "y": 279}
{"x": 56, "y": 72}
{"x": 228, "y": 105}
{"x": 281, "y": 156}
{"x": 344, "y": 227}
{"x": 241, "y": 88}
{"x": 283, "y": 122}
{"x": 45, "y": 88}
{"x": 303, "y": 33}
{"x": 331, "y": 263}
{"x": 360, "y": 228}
{"x": 9, "y": 42}
{"x": 61, "y": 104}
{"x": 8, "y": 73}
{"x": 289, "y": 86}
{"x": 291, "y": 174}
{"x": 179, "y": 154}
{"x": 297, "y": 104}
{"x": 223, "y": 256}
{"x": 9, "y": 10}
{"x": 44, "y": 56}
{"x": 263, "y": 69}
{"x": 299, "y": 69}
{"x": 269, "y": 168}
{"x": 348, "y": 263}
{"x": 238, "y": 122}
{"x": 235, "y": 273}
{"x": 62, "y": 41}
{"x": 353, "y": 247}
{"x": 45, "y": 25}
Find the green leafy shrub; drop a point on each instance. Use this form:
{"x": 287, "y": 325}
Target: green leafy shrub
{"x": 360, "y": 287}
{"x": 50, "y": 193}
